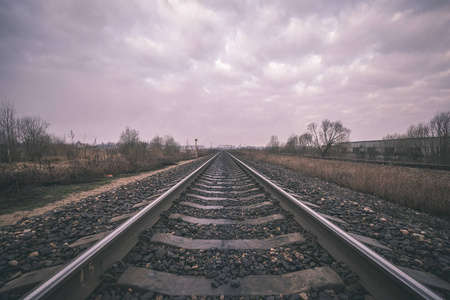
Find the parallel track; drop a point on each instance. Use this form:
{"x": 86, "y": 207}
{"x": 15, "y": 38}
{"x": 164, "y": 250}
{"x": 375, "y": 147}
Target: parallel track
{"x": 247, "y": 198}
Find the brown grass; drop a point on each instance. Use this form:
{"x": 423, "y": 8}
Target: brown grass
{"x": 25, "y": 183}
{"x": 420, "y": 189}
{"x": 70, "y": 194}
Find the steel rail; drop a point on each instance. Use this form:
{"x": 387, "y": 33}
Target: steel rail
{"x": 82, "y": 275}
{"x": 380, "y": 277}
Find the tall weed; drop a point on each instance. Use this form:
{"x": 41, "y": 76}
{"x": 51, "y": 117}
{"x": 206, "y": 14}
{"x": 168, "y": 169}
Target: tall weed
{"x": 420, "y": 189}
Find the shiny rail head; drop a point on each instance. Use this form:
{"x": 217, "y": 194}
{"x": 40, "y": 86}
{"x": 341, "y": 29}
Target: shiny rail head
{"x": 45, "y": 289}
{"x": 419, "y": 290}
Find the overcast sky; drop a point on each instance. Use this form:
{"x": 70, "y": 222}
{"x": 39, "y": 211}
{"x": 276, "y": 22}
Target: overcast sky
{"x": 225, "y": 72}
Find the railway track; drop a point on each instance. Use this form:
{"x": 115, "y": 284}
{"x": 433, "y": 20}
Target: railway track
{"x": 227, "y": 231}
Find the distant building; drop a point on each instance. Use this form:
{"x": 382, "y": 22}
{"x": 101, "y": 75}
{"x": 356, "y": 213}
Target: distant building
{"x": 192, "y": 147}
{"x": 108, "y": 146}
{"x": 225, "y": 147}
{"x": 419, "y": 150}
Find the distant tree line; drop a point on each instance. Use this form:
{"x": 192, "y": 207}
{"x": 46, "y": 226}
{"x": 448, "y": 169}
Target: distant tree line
{"x": 22, "y": 138}
{"x": 318, "y": 138}
{"x": 159, "y": 149}
{"x": 29, "y": 154}
{"x": 422, "y": 142}
{"x": 27, "y": 139}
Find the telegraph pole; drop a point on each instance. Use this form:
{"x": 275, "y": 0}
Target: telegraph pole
{"x": 196, "y": 153}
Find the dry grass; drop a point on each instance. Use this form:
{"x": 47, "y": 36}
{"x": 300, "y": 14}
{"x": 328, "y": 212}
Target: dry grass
{"x": 420, "y": 189}
{"x": 26, "y": 184}
{"x": 51, "y": 197}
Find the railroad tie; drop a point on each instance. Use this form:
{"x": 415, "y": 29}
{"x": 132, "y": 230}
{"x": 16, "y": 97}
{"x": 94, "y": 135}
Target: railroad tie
{"x": 227, "y": 192}
{"x": 198, "y": 244}
{"x": 195, "y": 205}
{"x": 320, "y": 278}
{"x": 221, "y": 187}
{"x": 208, "y": 198}
{"x": 256, "y": 221}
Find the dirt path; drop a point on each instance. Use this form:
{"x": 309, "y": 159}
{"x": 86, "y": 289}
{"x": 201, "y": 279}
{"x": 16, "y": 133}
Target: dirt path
{"x": 12, "y": 218}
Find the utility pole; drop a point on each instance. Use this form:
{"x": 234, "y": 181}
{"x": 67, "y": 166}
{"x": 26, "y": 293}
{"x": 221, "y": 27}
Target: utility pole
{"x": 196, "y": 153}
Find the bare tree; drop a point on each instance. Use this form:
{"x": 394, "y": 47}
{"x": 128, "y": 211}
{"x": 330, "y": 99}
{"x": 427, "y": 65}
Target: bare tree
{"x": 129, "y": 137}
{"x": 328, "y": 134}
{"x": 129, "y": 144}
{"x": 8, "y": 134}
{"x": 33, "y": 136}
{"x": 393, "y": 136}
{"x": 291, "y": 144}
{"x": 274, "y": 144}
{"x": 419, "y": 131}
{"x": 297, "y": 144}
{"x": 57, "y": 145}
{"x": 171, "y": 147}
{"x": 156, "y": 144}
{"x": 391, "y": 145}
{"x": 303, "y": 142}
{"x": 418, "y": 136}
{"x": 440, "y": 129}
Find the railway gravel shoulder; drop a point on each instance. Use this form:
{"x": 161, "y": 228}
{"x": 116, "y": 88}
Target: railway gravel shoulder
{"x": 217, "y": 259}
{"x": 42, "y": 241}
{"x": 415, "y": 240}
{"x": 253, "y": 250}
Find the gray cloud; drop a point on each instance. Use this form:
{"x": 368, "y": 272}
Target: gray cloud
{"x": 226, "y": 72}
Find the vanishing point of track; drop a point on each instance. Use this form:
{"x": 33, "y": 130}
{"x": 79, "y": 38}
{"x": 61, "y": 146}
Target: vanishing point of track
{"x": 227, "y": 230}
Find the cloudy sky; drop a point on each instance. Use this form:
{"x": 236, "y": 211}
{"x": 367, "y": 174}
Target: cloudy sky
{"x": 225, "y": 72}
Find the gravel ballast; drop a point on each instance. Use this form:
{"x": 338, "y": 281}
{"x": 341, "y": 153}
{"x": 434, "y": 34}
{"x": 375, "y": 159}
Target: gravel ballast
{"x": 225, "y": 268}
{"x": 418, "y": 240}
{"x": 42, "y": 241}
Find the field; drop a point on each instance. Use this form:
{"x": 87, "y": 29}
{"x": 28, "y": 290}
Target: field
{"x": 28, "y": 185}
{"x": 421, "y": 189}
